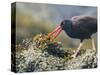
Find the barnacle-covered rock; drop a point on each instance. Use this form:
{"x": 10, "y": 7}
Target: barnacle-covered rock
{"x": 40, "y": 53}
{"x": 43, "y": 42}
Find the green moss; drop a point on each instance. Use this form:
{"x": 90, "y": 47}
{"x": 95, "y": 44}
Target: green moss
{"x": 43, "y": 42}
{"x": 70, "y": 52}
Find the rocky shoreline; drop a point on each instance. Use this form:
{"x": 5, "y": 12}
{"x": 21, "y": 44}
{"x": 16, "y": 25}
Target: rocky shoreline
{"x": 33, "y": 58}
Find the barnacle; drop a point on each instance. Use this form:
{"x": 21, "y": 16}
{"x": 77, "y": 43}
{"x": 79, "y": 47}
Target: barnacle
{"x": 42, "y": 53}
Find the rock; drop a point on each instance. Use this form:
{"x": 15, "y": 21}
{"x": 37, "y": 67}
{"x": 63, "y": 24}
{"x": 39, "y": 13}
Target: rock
{"x": 52, "y": 57}
{"x": 85, "y": 61}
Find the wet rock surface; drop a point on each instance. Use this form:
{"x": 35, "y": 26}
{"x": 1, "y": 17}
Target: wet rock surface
{"x": 41, "y": 54}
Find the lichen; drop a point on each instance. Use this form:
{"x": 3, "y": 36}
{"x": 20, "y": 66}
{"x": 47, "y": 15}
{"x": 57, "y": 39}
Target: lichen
{"x": 40, "y": 53}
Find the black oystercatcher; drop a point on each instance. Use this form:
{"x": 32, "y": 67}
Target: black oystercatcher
{"x": 79, "y": 27}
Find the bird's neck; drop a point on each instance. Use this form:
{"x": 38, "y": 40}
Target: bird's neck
{"x": 69, "y": 28}
{"x": 70, "y": 31}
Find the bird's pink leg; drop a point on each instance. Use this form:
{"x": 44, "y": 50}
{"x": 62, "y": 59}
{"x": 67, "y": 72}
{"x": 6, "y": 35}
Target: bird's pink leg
{"x": 78, "y": 49}
{"x": 93, "y": 45}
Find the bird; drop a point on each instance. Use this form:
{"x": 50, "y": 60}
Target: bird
{"x": 78, "y": 27}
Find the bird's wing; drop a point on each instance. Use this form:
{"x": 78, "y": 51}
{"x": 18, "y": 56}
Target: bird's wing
{"x": 75, "y": 20}
{"x": 85, "y": 24}
{"x": 89, "y": 24}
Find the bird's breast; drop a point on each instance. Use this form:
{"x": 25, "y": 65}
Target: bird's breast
{"x": 77, "y": 34}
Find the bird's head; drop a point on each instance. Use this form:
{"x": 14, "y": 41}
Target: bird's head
{"x": 65, "y": 24}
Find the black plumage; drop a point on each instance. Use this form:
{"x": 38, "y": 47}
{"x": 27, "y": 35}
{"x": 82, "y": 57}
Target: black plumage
{"x": 80, "y": 27}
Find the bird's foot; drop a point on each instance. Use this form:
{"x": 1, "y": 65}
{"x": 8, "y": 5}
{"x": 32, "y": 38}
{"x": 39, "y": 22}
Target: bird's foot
{"x": 94, "y": 48}
{"x": 74, "y": 55}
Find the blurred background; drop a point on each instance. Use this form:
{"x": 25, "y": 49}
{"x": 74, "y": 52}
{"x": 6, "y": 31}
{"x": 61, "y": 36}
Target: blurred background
{"x": 35, "y": 18}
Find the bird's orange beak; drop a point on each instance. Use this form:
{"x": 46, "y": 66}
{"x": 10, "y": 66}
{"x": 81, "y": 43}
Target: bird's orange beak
{"x": 55, "y": 33}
